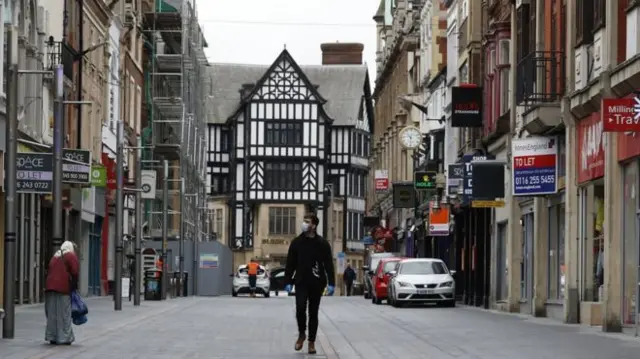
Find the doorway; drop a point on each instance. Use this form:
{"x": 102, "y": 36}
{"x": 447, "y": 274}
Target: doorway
{"x": 527, "y": 263}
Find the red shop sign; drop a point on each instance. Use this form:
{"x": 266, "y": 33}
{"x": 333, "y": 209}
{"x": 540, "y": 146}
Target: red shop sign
{"x": 618, "y": 115}
{"x": 110, "y": 166}
{"x": 628, "y": 145}
{"x": 590, "y": 149}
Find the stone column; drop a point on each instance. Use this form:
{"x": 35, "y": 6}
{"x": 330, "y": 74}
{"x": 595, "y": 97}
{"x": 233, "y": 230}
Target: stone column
{"x": 540, "y": 256}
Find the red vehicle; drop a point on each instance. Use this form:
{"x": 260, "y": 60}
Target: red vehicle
{"x": 381, "y": 278}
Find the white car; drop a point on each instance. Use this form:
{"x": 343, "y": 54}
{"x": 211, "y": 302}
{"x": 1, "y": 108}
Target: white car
{"x": 241, "y": 282}
{"x": 422, "y": 280}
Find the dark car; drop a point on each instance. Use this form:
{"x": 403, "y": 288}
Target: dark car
{"x": 277, "y": 280}
{"x": 370, "y": 267}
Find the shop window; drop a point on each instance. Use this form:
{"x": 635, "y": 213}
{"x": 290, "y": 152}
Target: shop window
{"x": 596, "y": 251}
{"x": 555, "y": 256}
{"x": 630, "y": 245}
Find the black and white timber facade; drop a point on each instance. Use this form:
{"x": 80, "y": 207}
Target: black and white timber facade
{"x": 282, "y": 133}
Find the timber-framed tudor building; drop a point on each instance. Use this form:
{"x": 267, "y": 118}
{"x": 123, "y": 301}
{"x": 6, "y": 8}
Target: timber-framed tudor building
{"x": 283, "y": 137}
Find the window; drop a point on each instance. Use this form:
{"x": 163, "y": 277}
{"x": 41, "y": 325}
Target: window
{"x": 282, "y": 221}
{"x": 220, "y": 184}
{"x": 423, "y": 267}
{"x": 218, "y": 221}
{"x": 505, "y": 89}
{"x": 599, "y": 14}
{"x": 224, "y": 140}
{"x": 367, "y": 146}
{"x": 389, "y": 266}
{"x": 464, "y": 73}
{"x": 283, "y": 134}
{"x": 584, "y": 22}
{"x": 283, "y": 176}
{"x": 556, "y": 252}
{"x": 492, "y": 62}
{"x": 524, "y": 16}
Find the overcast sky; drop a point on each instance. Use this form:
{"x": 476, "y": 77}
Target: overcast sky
{"x": 256, "y": 31}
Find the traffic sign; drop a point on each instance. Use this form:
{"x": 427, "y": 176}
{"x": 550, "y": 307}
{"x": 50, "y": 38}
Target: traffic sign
{"x": 534, "y": 163}
{"x": 424, "y": 180}
{"x": 34, "y": 172}
{"x": 76, "y": 166}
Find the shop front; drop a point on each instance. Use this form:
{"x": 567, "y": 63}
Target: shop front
{"x": 591, "y": 202}
{"x": 628, "y": 156}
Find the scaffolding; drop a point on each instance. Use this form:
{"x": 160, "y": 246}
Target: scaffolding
{"x": 175, "y": 125}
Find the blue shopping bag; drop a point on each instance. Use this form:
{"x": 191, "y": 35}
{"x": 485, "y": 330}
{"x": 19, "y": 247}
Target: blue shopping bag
{"x": 79, "y": 309}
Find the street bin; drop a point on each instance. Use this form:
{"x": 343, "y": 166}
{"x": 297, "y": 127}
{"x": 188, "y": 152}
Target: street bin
{"x": 185, "y": 284}
{"x": 177, "y": 284}
{"x": 152, "y": 284}
{"x": 356, "y": 289}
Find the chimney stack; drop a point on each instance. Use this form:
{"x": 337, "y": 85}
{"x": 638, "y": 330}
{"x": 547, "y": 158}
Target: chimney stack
{"x": 338, "y": 53}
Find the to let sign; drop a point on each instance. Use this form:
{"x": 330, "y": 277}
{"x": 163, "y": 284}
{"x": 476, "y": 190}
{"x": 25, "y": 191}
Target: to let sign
{"x": 534, "y": 163}
{"x": 76, "y": 166}
{"x": 619, "y": 114}
{"x": 34, "y": 172}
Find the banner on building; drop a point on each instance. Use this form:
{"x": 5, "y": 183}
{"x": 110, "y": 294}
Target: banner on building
{"x": 466, "y": 106}
{"x": 467, "y": 185}
{"x": 534, "y": 163}
{"x": 381, "y": 180}
{"x": 438, "y": 220}
{"x": 208, "y": 260}
{"x": 148, "y": 184}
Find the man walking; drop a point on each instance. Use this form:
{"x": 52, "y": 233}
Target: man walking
{"x": 310, "y": 268}
{"x": 252, "y": 271}
{"x": 349, "y": 276}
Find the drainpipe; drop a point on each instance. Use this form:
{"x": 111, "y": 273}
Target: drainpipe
{"x": 80, "y": 63}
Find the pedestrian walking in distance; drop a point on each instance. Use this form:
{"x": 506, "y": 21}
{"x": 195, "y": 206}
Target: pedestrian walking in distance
{"x": 62, "y": 279}
{"x": 349, "y": 276}
{"x": 252, "y": 271}
{"x": 310, "y": 268}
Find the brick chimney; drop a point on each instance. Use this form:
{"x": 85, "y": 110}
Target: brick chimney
{"x": 338, "y": 53}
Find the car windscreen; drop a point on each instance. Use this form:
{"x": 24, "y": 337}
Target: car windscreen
{"x": 389, "y": 266}
{"x": 375, "y": 260}
{"x": 423, "y": 268}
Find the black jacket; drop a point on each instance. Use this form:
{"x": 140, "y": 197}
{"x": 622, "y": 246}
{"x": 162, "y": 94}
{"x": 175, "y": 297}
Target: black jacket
{"x": 309, "y": 262}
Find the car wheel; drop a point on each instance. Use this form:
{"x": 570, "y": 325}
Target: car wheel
{"x": 233, "y": 293}
{"x": 266, "y": 295}
{"x": 450, "y": 304}
{"x": 396, "y": 303}
{"x": 377, "y": 300}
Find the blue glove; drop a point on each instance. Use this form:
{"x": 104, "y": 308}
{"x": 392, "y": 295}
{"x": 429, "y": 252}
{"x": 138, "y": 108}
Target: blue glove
{"x": 287, "y": 288}
{"x": 330, "y": 290}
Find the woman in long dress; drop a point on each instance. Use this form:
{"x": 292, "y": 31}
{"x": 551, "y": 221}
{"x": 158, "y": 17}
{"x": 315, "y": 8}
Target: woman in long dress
{"x": 62, "y": 279}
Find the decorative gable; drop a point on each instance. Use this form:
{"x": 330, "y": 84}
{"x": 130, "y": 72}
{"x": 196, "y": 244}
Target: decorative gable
{"x": 285, "y": 81}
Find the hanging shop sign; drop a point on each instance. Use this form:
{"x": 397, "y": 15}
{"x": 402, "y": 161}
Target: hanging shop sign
{"x": 534, "y": 163}
{"x": 404, "y": 195}
{"x": 455, "y": 177}
{"x": 98, "y": 176}
{"x": 467, "y": 184}
{"x": 424, "y": 180}
{"x": 466, "y": 106}
{"x": 621, "y": 114}
{"x": 110, "y": 166}
{"x": 590, "y": 148}
{"x": 438, "y": 220}
{"x": 76, "y": 166}
{"x": 34, "y": 172}
{"x": 488, "y": 180}
{"x": 148, "y": 184}
{"x": 382, "y": 180}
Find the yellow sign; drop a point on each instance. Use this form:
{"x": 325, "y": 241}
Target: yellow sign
{"x": 487, "y": 204}
{"x": 275, "y": 241}
{"x": 426, "y": 178}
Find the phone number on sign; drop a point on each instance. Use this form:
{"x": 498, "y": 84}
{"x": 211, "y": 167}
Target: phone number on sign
{"x": 535, "y": 180}
{"x": 37, "y": 185}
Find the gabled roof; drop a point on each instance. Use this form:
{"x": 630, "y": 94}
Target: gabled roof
{"x": 342, "y": 86}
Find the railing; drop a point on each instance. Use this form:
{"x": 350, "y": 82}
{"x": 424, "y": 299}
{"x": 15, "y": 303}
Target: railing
{"x": 62, "y": 53}
{"x": 540, "y": 78}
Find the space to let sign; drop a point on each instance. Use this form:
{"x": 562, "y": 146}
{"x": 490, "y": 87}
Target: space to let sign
{"x": 534, "y": 166}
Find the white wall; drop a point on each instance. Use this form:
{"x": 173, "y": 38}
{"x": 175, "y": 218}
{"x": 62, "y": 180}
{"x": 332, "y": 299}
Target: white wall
{"x": 451, "y": 134}
{"x": 51, "y": 12}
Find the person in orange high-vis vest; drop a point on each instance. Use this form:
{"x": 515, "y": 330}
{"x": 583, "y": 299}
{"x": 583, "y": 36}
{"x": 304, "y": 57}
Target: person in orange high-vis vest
{"x": 252, "y": 271}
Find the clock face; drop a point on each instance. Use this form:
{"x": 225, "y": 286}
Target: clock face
{"x": 411, "y": 137}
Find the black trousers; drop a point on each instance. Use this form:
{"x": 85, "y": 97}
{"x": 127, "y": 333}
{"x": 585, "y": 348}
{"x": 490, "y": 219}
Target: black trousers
{"x": 312, "y": 296}
{"x": 349, "y": 286}
{"x": 252, "y": 283}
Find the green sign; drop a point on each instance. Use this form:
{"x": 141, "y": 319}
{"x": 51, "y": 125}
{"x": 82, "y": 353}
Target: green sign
{"x": 98, "y": 176}
{"x": 424, "y": 179}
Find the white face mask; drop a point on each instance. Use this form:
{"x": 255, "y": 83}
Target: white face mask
{"x": 305, "y": 227}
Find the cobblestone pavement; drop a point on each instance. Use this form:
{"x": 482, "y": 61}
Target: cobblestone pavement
{"x": 351, "y": 328}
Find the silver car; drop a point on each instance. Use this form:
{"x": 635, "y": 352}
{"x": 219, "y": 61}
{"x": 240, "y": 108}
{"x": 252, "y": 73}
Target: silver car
{"x": 241, "y": 281}
{"x": 422, "y": 280}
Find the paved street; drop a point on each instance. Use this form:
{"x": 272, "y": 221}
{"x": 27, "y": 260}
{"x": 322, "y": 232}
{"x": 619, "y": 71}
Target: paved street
{"x": 351, "y": 328}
